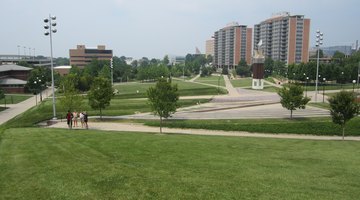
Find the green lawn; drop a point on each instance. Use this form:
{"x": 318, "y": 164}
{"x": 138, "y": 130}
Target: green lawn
{"x": 38, "y": 163}
{"x": 213, "y": 80}
{"x": 138, "y": 90}
{"x": 117, "y": 107}
{"x": 309, "y": 126}
{"x": 270, "y": 89}
{"x": 242, "y": 82}
{"x": 14, "y": 98}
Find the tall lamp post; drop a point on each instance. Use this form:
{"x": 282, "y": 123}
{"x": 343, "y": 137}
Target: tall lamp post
{"x": 354, "y": 81}
{"x": 342, "y": 80}
{"x": 112, "y": 71}
{"x": 319, "y": 39}
{"x": 307, "y": 80}
{"x": 49, "y": 24}
{"x": 358, "y": 77}
{"x": 324, "y": 79}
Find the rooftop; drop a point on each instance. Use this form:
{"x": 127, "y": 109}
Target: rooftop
{"x": 12, "y": 67}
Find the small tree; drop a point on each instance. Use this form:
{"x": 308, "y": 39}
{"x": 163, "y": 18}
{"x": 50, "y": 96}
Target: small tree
{"x": 343, "y": 107}
{"x": 292, "y": 97}
{"x": 163, "y": 99}
{"x": 71, "y": 98}
{"x": 225, "y": 70}
{"x": 100, "y": 94}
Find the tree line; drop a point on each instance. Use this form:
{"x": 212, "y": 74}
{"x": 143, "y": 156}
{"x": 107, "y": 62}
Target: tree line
{"x": 340, "y": 68}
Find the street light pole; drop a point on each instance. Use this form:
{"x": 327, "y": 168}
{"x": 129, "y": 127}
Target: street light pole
{"x": 111, "y": 72}
{"x": 354, "y": 81}
{"x": 319, "y": 38}
{"x": 342, "y": 79}
{"x": 18, "y": 46}
{"x": 324, "y": 79}
{"x": 49, "y": 25}
{"x": 307, "y": 79}
{"x": 358, "y": 77}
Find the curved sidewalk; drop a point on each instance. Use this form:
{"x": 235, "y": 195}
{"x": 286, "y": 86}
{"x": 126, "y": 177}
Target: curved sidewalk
{"x": 136, "y": 127}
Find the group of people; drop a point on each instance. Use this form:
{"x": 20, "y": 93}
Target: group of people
{"x": 72, "y": 119}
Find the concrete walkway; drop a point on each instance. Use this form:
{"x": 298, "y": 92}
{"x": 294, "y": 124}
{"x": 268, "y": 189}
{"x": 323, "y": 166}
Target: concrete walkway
{"x": 230, "y": 88}
{"x": 15, "y": 109}
{"x": 136, "y": 127}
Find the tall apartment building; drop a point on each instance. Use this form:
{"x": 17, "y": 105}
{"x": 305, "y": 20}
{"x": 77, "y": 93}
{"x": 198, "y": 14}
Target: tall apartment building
{"x": 81, "y": 56}
{"x": 209, "y": 47}
{"x": 285, "y": 37}
{"x": 231, "y": 44}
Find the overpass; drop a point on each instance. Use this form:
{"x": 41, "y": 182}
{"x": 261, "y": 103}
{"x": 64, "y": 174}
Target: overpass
{"x": 14, "y": 59}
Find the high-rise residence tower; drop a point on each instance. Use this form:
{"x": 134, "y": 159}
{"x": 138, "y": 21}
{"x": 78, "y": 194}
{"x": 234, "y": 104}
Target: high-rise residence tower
{"x": 209, "y": 48}
{"x": 285, "y": 37}
{"x": 232, "y": 44}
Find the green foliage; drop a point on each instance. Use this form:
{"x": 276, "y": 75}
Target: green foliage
{"x": 206, "y": 71}
{"x": 243, "y": 69}
{"x": 268, "y": 66}
{"x": 341, "y": 69}
{"x": 166, "y": 60}
{"x": 100, "y": 94}
{"x": 71, "y": 99}
{"x": 225, "y": 71}
{"x": 2, "y": 94}
{"x": 39, "y": 77}
{"x": 292, "y": 98}
{"x": 163, "y": 99}
{"x": 62, "y": 61}
{"x": 343, "y": 108}
{"x": 194, "y": 62}
{"x": 153, "y": 72}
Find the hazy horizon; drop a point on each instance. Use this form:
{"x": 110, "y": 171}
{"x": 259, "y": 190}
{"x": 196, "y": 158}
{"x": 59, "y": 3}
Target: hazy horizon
{"x": 153, "y": 29}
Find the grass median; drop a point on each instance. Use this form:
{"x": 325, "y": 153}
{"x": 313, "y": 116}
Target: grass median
{"x": 309, "y": 126}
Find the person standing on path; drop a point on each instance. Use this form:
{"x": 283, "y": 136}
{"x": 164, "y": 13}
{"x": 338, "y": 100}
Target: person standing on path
{"x": 86, "y": 120}
{"x": 75, "y": 118}
{"x": 82, "y": 119}
{"x": 69, "y": 117}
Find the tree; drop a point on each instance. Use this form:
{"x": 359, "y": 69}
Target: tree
{"x": 166, "y": 60}
{"x": 100, "y": 94}
{"x": 292, "y": 97}
{"x": 243, "y": 69}
{"x": 343, "y": 107}
{"x": 225, "y": 70}
{"x": 71, "y": 98}
{"x": 269, "y": 64}
{"x": 163, "y": 99}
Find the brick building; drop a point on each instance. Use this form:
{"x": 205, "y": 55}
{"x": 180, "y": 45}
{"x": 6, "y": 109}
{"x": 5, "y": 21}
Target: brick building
{"x": 13, "y": 78}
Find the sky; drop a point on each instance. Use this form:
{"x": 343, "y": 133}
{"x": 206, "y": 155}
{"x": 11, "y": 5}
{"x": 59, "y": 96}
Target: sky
{"x": 155, "y": 28}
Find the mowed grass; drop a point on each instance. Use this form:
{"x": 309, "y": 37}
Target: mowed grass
{"x": 241, "y": 82}
{"x": 212, "y": 80}
{"x": 138, "y": 90}
{"x": 308, "y": 126}
{"x": 14, "y": 98}
{"x": 40, "y": 163}
{"x": 117, "y": 107}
